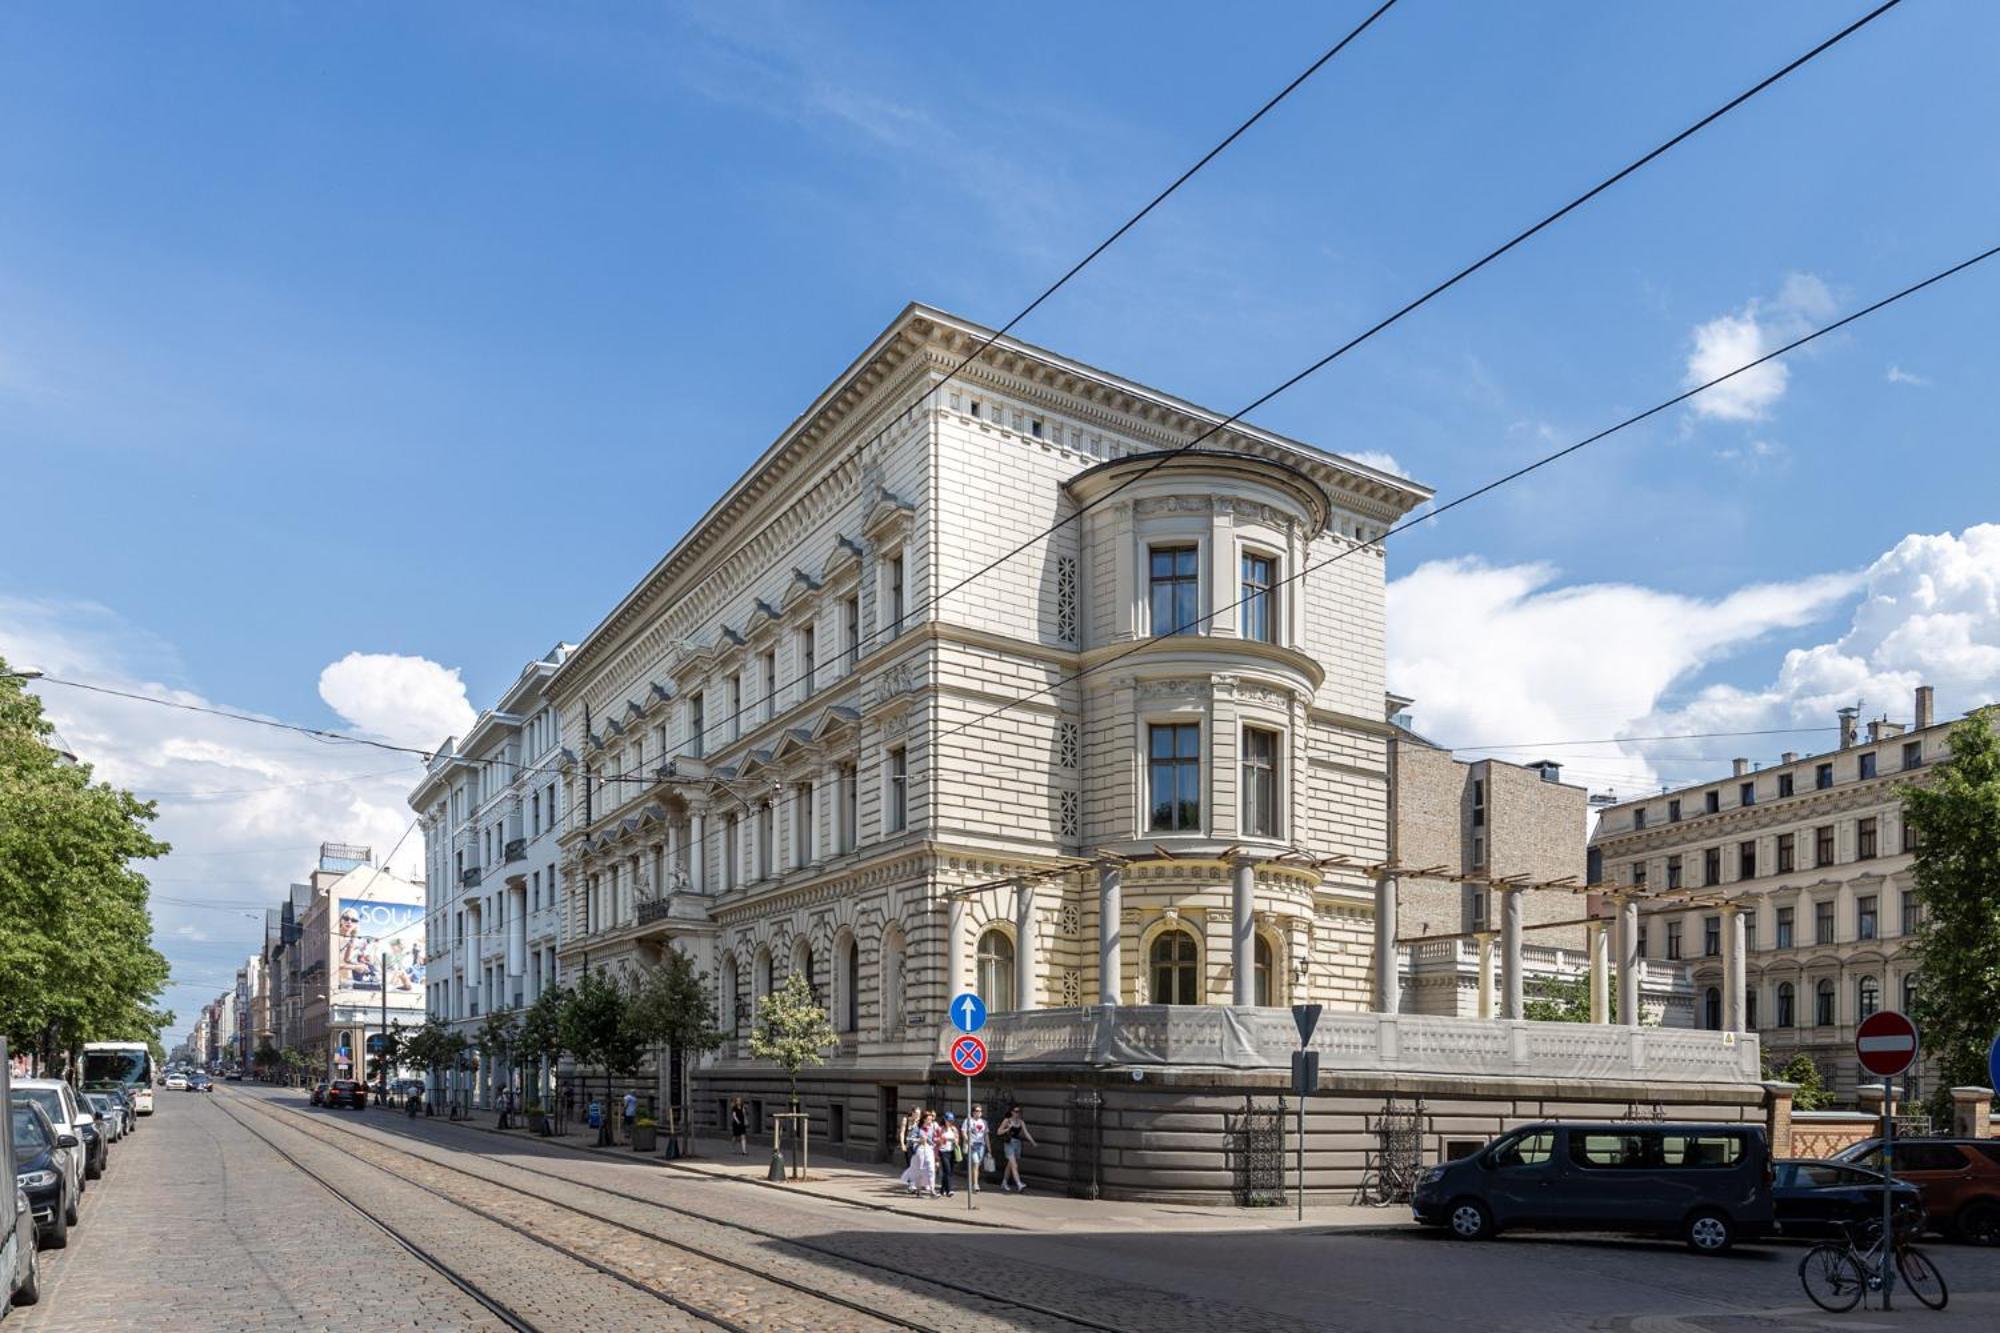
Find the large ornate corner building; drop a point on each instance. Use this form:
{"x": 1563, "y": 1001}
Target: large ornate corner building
{"x": 1142, "y": 759}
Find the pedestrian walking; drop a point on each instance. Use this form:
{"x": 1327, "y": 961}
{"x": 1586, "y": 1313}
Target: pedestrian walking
{"x": 1013, "y": 1130}
{"x": 948, "y": 1149}
{"x": 631, "y": 1112}
{"x": 739, "y": 1126}
{"x": 976, "y": 1159}
{"x": 921, "y": 1175}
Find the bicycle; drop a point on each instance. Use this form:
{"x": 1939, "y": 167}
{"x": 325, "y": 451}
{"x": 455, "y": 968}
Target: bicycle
{"x": 1837, "y": 1275}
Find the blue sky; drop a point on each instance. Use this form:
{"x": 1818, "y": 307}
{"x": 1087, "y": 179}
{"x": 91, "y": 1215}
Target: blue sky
{"x": 423, "y": 330}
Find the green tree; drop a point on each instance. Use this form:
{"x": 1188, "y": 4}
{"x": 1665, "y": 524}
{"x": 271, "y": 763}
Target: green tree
{"x": 76, "y": 956}
{"x": 295, "y": 1063}
{"x": 265, "y": 1060}
{"x": 1565, "y": 1000}
{"x": 540, "y": 1043}
{"x": 673, "y": 1004}
{"x": 496, "y": 1040}
{"x": 595, "y": 1029}
{"x": 1956, "y": 820}
{"x": 1812, "y": 1094}
{"x": 792, "y": 1030}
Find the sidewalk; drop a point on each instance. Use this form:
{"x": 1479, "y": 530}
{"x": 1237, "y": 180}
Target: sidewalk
{"x": 1040, "y": 1210}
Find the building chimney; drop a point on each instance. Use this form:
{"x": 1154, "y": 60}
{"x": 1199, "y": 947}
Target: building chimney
{"x": 1742, "y": 766}
{"x": 1848, "y": 716}
{"x": 1923, "y": 706}
{"x": 1874, "y": 730}
{"x": 1789, "y": 757}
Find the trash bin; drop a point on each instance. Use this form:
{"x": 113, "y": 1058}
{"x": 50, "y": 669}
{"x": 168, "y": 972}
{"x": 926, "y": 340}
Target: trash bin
{"x": 596, "y": 1115}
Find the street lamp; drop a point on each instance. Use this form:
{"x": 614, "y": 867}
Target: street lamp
{"x": 20, "y": 675}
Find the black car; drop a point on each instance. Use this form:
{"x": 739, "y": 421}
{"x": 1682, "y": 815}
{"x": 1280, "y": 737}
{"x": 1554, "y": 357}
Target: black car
{"x": 1824, "y": 1198}
{"x": 96, "y": 1148}
{"x": 346, "y": 1092}
{"x": 40, "y": 1175}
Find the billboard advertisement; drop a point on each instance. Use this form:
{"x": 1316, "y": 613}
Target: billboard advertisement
{"x": 378, "y": 944}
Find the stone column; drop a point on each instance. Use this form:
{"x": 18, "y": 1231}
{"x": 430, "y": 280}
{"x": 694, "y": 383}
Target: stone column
{"x": 1972, "y": 1113}
{"x": 1778, "y": 1117}
{"x": 1510, "y": 947}
{"x": 954, "y": 959}
{"x": 1243, "y": 931}
{"x": 1628, "y": 959}
{"x": 1600, "y": 971}
{"x": 698, "y": 851}
{"x": 1735, "y": 1004}
{"x": 1388, "y": 981}
{"x": 1485, "y": 973}
{"x": 1110, "y": 932}
{"x": 1025, "y": 967}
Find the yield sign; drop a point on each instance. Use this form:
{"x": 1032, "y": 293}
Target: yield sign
{"x": 1886, "y": 1041}
{"x": 968, "y": 1055}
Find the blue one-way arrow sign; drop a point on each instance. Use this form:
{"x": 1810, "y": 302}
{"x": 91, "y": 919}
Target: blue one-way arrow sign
{"x": 968, "y": 1012}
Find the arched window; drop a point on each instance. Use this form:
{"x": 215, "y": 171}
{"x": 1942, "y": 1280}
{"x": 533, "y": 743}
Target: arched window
{"x": 1750, "y": 1008}
{"x": 891, "y": 980}
{"x": 802, "y": 963}
{"x": 1823, "y": 1003}
{"x": 1788, "y": 1015}
{"x": 1909, "y": 991}
{"x": 1869, "y": 996}
{"x": 850, "y": 985}
{"x": 1175, "y": 971}
{"x": 760, "y": 980}
{"x": 996, "y": 970}
{"x": 1711, "y": 1009}
{"x": 1263, "y": 994}
{"x": 726, "y": 994}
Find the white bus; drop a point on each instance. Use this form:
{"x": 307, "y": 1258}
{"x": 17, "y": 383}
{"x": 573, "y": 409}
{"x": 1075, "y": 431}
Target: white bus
{"x": 127, "y": 1065}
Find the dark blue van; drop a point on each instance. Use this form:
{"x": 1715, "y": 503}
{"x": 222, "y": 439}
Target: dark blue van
{"x": 1710, "y": 1185}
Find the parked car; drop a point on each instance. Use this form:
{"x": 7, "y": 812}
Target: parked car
{"x": 129, "y": 1103}
{"x": 346, "y": 1092}
{"x": 1709, "y": 1184}
{"x": 318, "y": 1097}
{"x": 1812, "y": 1198}
{"x": 57, "y": 1101}
{"x": 233, "y": 1076}
{"x": 42, "y": 1171}
{"x": 177, "y": 1082}
{"x": 110, "y": 1114}
{"x": 1960, "y": 1180}
{"x": 24, "y": 1284}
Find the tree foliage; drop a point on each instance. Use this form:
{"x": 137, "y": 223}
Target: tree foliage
{"x": 540, "y": 1039}
{"x": 673, "y": 1004}
{"x": 792, "y": 1030}
{"x": 1956, "y": 819}
{"x": 1812, "y": 1093}
{"x": 1564, "y": 1000}
{"x": 595, "y": 1027}
{"x": 76, "y": 956}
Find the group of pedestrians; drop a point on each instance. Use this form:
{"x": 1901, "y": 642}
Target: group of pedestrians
{"x": 939, "y": 1148}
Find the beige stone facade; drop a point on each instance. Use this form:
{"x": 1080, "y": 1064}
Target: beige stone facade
{"x": 1813, "y": 856}
{"x": 823, "y": 735}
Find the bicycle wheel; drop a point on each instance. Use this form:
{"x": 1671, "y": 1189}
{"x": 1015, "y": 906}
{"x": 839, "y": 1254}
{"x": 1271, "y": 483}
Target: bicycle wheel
{"x": 1921, "y": 1277}
{"x": 1832, "y": 1277}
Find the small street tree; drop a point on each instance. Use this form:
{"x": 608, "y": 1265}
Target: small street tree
{"x": 1812, "y": 1094}
{"x": 671, "y": 1004}
{"x": 1955, "y": 818}
{"x": 792, "y": 1031}
{"x": 596, "y": 1030}
{"x": 265, "y": 1061}
{"x": 540, "y": 1044}
{"x": 294, "y": 1062}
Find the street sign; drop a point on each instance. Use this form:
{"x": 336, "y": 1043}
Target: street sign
{"x": 1306, "y": 1016}
{"x": 968, "y": 1055}
{"x": 1886, "y": 1042}
{"x": 968, "y": 1012}
{"x": 1305, "y": 1072}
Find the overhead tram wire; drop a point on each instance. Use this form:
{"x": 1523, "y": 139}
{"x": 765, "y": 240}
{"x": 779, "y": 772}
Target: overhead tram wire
{"x": 319, "y": 733}
{"x": 1438, "y": 290}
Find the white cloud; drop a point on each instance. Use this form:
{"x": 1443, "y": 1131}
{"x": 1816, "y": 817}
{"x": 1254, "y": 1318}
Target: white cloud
{"x": 1728, "y": 341}
{"x": 1378, "y": 460}
{"x": 244, "y": 806}
{"x": 1504, "y": 655}
{"x": 405, "y": 700}
{"x": 1898, "y": 375}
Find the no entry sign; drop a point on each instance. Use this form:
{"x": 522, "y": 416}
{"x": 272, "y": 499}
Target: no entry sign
{"x": 1886, "y": 1043}
{"x": 968, "y": 1055}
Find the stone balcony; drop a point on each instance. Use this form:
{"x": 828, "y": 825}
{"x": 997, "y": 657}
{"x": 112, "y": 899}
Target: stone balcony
{"x": 1221, "y": 1037}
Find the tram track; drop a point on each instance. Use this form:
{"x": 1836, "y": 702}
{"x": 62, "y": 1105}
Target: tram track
{"x": 1005, "y": 1309}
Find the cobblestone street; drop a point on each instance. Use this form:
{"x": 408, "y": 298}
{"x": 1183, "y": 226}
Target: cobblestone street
{"x": 202, "y": 1223}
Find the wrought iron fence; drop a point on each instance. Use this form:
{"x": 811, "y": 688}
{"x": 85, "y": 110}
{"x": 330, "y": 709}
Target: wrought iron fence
{"x": 1086, "y": 1144}
{"x": 1397, "y": 1159}
{"x": 1254, "y": 1147}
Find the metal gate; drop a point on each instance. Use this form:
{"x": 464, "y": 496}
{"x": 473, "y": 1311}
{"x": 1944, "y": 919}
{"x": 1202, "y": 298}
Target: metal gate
{"x": 1254, "y": 1146}
{"x": 1398, "y": 1158}
{"x": 1086, "y": 1144}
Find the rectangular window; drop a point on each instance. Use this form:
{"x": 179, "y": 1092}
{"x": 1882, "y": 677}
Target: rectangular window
{"x": 808, "y": 660}
{"x": 766, "y": 830}
{"x": 850, "y": 629}
{"x": 733, "y": 699}
{"x": 1642, "y": 939}
{"x": 1479, "y": 851}
{"x": 1639, "y": 818}
{"x": 1711, "y": 937}
{"x": 1864, "y": 840}
{"x": 1864, "y": 917}
{"x": 1260, "y": 598}
{"x": 1638, "y": 873}
{"x": 1913, "y": 755}
{"x": 1673, "y": 939}
{"x": 1746, "y": 860}
{"x": 1746, "y": 793}
{"x": 1913, "y": 912}
{"x": 1823, "y": 921}
{"x": 1175, "y": 588}
{"x": 732, "y": 844}
{"x": 1867, "y": 762}
{"x": 1823, "y": 1005}
{"x": 896, "y": 799}
{"x": 1911, "y": 840}
{"x": 1711, "y": 801}
{"x": 1786, "y": 843}
{"x": 1711, "y": 865}
{"x": 1174, "y": 772}
{"x": 1673, "y": 872}
{"x": 1260, "y": 782}
{"x": 1823, "y": 777}
{"x": 802, "y": 823}
{"x": 1750, "y": 938}
{"x": 698, "y": 725}
{"x": 1674, "y": 811}
{"x": 1785, "y": 931}
{"x": 770, "y": 684}
{"x": 896, "y": 604}
{"x": 1823, "y": 845}
{"x": 1784, "y": 784}
{"x": 1479, "y": 806}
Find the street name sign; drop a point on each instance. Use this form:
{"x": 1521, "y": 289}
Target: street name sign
{"x": 1886, "y": 1041}
{"x": 968, "y": 1012}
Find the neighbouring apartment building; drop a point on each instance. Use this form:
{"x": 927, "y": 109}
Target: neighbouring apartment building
{"x": 489, "y": 808}
{"x": 360, "y": 958}
{"x": 1814, "y": 855}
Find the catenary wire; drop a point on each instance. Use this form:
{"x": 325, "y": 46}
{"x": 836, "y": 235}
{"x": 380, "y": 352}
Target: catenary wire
{"x": 1425, "y": 298}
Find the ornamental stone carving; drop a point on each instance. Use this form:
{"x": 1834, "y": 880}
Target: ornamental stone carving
{"x": 1174, "y": 504}
{"x": 1176, "y": 688}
